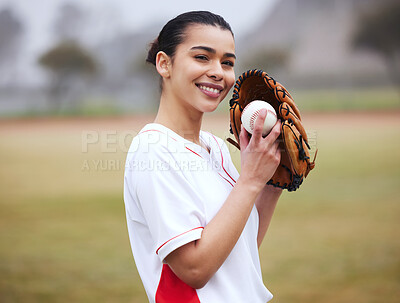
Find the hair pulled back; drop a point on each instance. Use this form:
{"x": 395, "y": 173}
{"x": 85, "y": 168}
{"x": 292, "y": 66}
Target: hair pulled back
{"x": 172, "y": 34}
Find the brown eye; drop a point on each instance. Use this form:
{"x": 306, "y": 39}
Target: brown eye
{"x": 229, "y": 63}
{"x": 201, "y": 57}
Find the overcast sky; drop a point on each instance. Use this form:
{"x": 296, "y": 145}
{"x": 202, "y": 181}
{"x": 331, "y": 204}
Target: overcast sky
{"x": 122, "y": 15}
{"x": 133, "y": 14}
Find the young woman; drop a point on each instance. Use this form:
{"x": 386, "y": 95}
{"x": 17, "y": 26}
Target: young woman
{"x": 194, "y": 223}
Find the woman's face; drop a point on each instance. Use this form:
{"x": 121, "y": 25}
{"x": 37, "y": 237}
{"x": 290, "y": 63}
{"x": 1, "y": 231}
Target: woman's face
{"x": 202, "y": 71}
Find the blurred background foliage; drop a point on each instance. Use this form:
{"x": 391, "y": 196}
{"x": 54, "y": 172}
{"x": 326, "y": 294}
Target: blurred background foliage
{"x": 308, "y": 45}
{"x": 70, "y": 65}
{"x": 378, "y": 30}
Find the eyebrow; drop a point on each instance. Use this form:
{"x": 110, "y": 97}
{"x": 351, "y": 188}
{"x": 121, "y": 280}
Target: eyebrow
{"x": 213, "y": 51}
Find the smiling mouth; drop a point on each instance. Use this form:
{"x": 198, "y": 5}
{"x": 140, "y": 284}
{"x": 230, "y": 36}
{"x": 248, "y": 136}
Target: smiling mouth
{"x": 209, "y": 89}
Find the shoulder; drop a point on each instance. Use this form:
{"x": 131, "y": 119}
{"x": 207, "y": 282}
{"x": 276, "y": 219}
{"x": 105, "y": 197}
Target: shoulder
{"x": 152, "y": 139}
{"x": 152, "y": 151}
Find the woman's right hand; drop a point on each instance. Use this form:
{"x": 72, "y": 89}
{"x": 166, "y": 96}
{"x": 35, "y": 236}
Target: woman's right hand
{"x": 196, "y": 262}
{"x": 260, "y": 156}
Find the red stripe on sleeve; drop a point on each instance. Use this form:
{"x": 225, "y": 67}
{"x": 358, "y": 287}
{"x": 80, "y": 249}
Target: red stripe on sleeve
{"x": 177, "y": 237}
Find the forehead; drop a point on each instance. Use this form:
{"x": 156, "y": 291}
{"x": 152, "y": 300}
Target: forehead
{"x": 208, "y": 35}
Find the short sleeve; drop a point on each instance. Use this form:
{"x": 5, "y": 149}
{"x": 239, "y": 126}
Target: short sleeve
{"x": 172, "y": 208}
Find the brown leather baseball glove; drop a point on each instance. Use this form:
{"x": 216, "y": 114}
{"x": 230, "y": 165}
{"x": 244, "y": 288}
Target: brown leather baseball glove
{"x": 295, "y": 157}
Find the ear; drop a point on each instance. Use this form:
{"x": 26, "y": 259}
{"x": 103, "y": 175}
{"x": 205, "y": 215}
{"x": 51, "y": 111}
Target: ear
{"x": 163, "y": 64}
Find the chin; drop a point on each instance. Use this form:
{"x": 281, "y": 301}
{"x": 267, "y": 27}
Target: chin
{"x": 210, "y": 108}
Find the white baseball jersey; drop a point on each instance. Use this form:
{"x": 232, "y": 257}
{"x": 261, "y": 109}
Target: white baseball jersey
{"x": 173, "y": 188}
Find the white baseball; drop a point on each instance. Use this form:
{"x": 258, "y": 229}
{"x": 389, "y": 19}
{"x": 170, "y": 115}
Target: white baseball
{"x": 251, "y": 112}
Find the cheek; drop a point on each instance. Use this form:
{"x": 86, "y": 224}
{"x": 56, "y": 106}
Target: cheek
{"x": 191, "y": 74}
{"x": 196, "y": 70}
{"x": 230, "y": 79}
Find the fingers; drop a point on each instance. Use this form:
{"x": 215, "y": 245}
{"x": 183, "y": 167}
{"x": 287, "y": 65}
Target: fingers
{"x": 258, "y": 126}
{"x": 275, "y": 132}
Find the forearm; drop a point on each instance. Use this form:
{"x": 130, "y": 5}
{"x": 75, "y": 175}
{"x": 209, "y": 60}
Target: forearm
{"x": 196, "y": 262}
{"x": 266, "y": 203}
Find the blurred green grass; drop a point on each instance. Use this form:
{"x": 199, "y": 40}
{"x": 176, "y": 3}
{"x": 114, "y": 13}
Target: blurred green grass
{"x": 327, "y": 100}
{"x": 350, "y": 99}
{"x": 367, "y": 99}
{"x": 336, "y": 239}
{"x": 64, "y": 237}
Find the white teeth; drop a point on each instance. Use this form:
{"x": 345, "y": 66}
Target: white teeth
{"x": 213, "y": 90}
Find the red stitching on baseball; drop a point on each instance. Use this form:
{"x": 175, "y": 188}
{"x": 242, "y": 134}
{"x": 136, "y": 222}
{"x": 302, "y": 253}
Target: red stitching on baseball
{"x": 253, "y": 118}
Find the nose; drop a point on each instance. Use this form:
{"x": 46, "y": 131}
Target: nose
{"x": 215, "y": 72}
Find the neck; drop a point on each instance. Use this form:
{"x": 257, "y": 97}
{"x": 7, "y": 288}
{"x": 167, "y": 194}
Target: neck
{"x": 182, "y": 120}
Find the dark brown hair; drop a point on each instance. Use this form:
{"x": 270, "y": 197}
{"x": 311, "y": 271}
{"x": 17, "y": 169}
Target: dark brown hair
{"x": 172, "y": 34}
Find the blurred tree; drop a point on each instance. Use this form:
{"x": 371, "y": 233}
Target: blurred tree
{"x": 11, "y": 32}
{"x": 379, "y": 31}
{"x": 70, "y": 65}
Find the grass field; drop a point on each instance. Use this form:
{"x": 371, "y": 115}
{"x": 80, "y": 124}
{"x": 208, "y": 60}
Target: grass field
{"x": 64, "y": 237}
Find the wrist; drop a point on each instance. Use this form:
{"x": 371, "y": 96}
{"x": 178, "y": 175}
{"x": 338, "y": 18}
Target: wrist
{"x": 251, "y": 188}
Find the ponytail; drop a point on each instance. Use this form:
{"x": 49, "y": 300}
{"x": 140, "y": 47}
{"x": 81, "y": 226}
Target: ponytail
{"x": 152, "y": 54}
